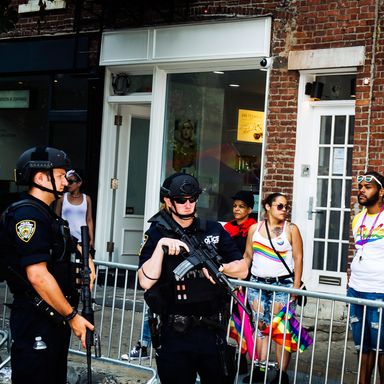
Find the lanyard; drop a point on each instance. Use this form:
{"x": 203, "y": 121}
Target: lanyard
{"x": 364, "y": 241}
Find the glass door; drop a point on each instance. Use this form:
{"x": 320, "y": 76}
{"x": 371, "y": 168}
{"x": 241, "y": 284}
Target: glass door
{"x": 323, "y": 193}
{"x": 132, "y": 175}
{"x": 331, "y": 204}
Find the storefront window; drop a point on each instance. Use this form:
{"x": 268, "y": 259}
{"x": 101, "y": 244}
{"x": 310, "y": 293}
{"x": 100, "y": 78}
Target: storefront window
{"x": 214, "y": 129}
{"x": 23, "y": 123}
{"x": 69, "y": 91}
{"x": 36, "y": 111}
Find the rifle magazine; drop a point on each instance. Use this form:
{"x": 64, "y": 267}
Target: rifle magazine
{"x": 182, "y": 269}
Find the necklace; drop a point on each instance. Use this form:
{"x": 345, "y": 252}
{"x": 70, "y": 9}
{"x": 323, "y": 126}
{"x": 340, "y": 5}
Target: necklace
{"x": 76, "y": 196}
{"x": 363, "y": 240}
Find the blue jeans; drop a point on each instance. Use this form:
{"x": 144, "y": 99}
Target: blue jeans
{"x": 371, "y": 325}
{"x": 265, "y": 310}
{"x": 146, "y": 336}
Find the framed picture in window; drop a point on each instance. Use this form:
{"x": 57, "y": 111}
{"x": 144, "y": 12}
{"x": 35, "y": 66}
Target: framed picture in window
{"x": 185, "y": 146}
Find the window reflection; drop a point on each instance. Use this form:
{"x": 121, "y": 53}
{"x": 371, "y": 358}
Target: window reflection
{"x": 332, "y": 257}
{"x": 325, "y": 129}
{"x": 318, "y": 255}
{"x": 56, "y": 115}
{"x": 215, "y": 132}
{"x": 69, "y": 91}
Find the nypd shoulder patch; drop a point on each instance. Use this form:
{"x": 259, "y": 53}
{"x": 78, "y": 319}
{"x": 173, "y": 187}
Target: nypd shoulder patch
{"x": 143, "y": 242}
{"x": 25, "y": 229}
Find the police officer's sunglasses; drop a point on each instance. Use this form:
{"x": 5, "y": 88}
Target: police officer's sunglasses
{"x": 183, "y": 200}
{"x": 368, "y": 179}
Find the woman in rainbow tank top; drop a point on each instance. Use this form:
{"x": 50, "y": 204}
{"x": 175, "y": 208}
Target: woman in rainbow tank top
{"x": 267, "y": 268}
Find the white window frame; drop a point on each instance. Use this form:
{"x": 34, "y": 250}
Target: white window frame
{"x": 33, "y": 6}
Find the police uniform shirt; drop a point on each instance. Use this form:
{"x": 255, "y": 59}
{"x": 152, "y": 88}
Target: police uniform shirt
{"x": 195, "y": 294}
{"x": 31, "y": 232}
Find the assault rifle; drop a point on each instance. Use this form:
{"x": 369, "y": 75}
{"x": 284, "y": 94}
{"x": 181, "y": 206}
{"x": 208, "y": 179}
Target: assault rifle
{"x": 92, "y": 338}
{"x": 200, "y": 255}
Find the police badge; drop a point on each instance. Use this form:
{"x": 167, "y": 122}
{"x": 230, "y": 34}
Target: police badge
{"x": 25, "y": 229}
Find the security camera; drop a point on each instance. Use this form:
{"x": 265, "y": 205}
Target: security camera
{"x": 266, "y": 62}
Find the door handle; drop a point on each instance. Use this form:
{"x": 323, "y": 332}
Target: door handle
{"x": 311, "y": 211}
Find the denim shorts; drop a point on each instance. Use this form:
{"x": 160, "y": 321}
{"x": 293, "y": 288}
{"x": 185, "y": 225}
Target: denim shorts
{"x": 372, "y": 318}
{"x": 263, "y": 311}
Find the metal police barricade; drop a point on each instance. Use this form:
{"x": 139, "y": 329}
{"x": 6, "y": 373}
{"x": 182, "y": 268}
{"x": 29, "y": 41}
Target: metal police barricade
{"x": 119, "y": 311}
{"x": 332, "y": 356}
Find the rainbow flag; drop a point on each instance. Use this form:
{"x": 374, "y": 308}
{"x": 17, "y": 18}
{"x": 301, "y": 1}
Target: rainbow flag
{"x": 286, "y": 322}
{"x": 246, "y": 343}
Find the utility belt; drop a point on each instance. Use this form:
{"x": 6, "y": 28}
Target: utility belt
{"x": 27, "y": 296}
{"x": 183, "y": 323}
{"x": 42, "y": 306}
{"x": 271, "y": 280}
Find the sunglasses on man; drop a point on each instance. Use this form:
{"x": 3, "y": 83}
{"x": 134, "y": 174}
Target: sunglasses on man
{"x": 368, "y": 179}
{"x": 183, "y": 200}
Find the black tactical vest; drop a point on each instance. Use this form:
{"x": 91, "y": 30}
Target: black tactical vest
{"x": 62, "y": 251}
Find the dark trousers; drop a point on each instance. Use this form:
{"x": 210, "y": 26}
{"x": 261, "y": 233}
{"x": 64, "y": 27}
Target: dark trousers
{"x": 184, "y": 355}
{"x": 29, "y": 365}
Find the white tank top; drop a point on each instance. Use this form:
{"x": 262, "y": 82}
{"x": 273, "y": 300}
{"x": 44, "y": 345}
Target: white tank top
{"x": 265, "y": 262}
{"x": 75, "y": 215}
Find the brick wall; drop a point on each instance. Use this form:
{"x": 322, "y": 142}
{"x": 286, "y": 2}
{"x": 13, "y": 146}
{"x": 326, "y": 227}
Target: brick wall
{"x": 314, "y": 24}
{"x": 297, "y": 25}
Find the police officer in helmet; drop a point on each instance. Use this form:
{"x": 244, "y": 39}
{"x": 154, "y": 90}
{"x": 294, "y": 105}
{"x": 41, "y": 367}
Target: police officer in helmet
{"x": 37, "y": 246}
{"x": 192, "y": 314}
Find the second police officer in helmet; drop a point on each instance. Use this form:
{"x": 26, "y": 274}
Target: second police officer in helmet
{"x": 36, "y": 246}
{"x": 192, "y": 310}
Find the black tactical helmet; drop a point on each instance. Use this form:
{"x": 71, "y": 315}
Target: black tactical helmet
{"x": 179, "y": 184}
{"x": 38, "y": 159}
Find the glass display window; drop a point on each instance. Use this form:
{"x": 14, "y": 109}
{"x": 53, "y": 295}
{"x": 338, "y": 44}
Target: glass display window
{"x": 214, "y": 130}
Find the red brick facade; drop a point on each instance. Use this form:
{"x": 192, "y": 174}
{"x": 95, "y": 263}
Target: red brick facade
{"x": 297, "y": 25}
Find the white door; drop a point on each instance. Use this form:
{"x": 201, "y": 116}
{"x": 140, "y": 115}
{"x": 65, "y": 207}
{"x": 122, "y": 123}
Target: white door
{"x": 322, "y": 195}
{"x": 132, "y": 161}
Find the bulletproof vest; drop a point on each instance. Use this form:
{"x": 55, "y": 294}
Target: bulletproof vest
{"x": 194, "y": 290}
{"x": 61, "y": 251}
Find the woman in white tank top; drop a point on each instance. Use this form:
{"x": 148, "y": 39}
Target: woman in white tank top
{"x": 267, "y": 268}
{"x": 76, "y": 207}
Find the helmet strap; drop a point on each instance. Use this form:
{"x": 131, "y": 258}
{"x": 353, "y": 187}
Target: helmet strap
{"x": 54, "y": 190}
{"x": 182, "y": 217}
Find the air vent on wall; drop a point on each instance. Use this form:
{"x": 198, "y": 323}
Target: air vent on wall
{"x": 330, "y": 280}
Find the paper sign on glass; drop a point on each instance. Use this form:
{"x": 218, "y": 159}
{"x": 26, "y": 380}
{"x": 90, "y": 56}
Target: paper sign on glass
{"x": 250, "y": 126}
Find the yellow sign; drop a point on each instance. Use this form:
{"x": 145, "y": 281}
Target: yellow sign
{"x": 250, "y": 126}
